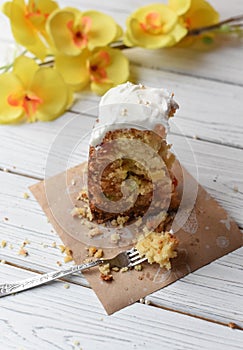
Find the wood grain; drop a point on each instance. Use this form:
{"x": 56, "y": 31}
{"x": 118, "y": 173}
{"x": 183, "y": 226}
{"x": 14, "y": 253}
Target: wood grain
{"x": 52, "y": 317}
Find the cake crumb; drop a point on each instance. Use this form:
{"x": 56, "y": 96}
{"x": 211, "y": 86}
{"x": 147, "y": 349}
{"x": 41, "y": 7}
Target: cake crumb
{"x": 3, "y": 243}
{"x": 23, "y": 252}
{"x": 147, "y": 302}
{"x": 138, "y": 267}
{"x": 195, "y": 137}
{"x": 10, "y": 246}
{"x": 76, "y": 343}
{"x": 83, "y": 195}
{"x": 73, "y": 182}
{"x": 5, "y": 219}
{"x": 124, "y": 269}
{"x": 54, "y": 245}
{"x": 115, "y": 268}
{"x": 235, "y": 188}
{"x": 105, "y": 269}
{"x": 26, "y": 195}
{"x": 67, "y": 259}
{"x": 59, "y": 263}
{"x": 92, "y": 251}
{"x": 142, "y": 300}
{"x": 106, "y": 278}
{"x": 95, "y": 232}
{"x": 24, "y": 243}
{"x": 66, "y": 286}
{"x": 62, "y": 248}
{"x": 3, "y": 261}
{"x": 115, "y": 237}
{"x": 99, "y": 253}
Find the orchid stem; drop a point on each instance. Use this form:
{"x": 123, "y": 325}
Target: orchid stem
{"x": 198, "y": 31}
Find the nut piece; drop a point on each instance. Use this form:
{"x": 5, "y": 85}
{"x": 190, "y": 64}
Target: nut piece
{"x": 106, "y": 278}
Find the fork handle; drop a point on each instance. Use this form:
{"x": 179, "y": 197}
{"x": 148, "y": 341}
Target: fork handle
{"x": 10, "y": 288}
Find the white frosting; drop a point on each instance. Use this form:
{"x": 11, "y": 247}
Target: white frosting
{"x": 132, "y": 106}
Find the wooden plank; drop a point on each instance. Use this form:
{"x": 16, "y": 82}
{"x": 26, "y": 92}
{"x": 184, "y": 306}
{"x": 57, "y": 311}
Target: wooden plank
{"x": 209, "y": 290}
{"x": 221, "y": 63}
{"x": 62, "y": 317}
{"x": 204, "y": 112}
{"x": 26, "y": 220}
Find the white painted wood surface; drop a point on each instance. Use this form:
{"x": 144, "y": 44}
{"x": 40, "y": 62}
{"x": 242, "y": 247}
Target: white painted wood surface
{"x": 209, "y": 87}
{"x": 65, "y": 316}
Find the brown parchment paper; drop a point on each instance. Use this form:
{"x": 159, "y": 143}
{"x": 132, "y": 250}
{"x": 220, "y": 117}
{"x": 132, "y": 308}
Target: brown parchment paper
{"x": 208, "y": 234}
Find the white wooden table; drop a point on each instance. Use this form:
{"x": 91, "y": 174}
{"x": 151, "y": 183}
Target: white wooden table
{"x": 195, "y": 311}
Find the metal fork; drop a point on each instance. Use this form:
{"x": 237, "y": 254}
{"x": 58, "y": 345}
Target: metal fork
{"x": 128, "y": 258}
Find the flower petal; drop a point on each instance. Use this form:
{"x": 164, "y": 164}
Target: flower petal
{"x": 101, "y": 89}
{"x": 117, "y": 71}
{"x": 143, "y": 39}
{"x": 178, "y": 33}
{"x": 25, "y": 68}
{"x": 104, "y": 29}
{"x": 23, "y": 30}
{"x": 74, "y": 69}
{"x": 10, "y": 85}
{"x": 179, "y": 6}
{"x": 201, "y": 14}
{"x": 50, "y": 87}
{"x": 47, "y": 6}
{"x": 151, "y": 26}
{"x": 57, "y": 27}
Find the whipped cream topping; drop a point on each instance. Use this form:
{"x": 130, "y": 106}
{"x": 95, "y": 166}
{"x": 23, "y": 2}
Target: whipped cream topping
{"x": 132, "y": 106}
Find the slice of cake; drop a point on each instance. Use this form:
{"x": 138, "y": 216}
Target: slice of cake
{"x": 129, "y": 167}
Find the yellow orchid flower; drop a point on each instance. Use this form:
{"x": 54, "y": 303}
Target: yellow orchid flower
{"x": 32, "y": 93}
{"x": 194, "y": 14}
{"x": 179, "y": 6}
{"x": 28, "y": 23}
{"x": 72, "y": 30}
{"x": 101, "y": 68}
{"x": 154, "y": 26}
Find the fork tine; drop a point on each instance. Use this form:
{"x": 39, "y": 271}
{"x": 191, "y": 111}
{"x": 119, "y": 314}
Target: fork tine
{"x": 134, "y": 253}
{"x": 138, "y": 262}
{"x": 135, "y": 258}
{"x": 130, "y": 251}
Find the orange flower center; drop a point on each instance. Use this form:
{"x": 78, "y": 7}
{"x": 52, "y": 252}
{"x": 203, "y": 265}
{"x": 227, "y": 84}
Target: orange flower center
{"x": 28, "y": 101}
{"x": 80, "y": 32}
{"x": 188, "y": 23}
{"x": 32, "y": 11}
{"x": 152, "y": 23}
{"x": 97, "y": 67}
